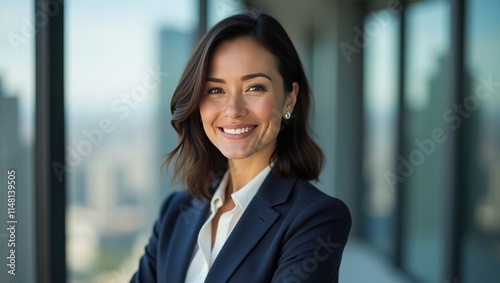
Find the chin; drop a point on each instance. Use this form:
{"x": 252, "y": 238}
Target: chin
{"x": 237, "y": 153}
{"x": 233, "y": 155}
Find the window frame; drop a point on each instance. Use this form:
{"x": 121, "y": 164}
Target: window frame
{"x": 50, "y": 188}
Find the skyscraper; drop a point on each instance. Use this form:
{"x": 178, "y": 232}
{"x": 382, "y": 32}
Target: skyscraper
{"x": 175, "y": 48}
{"x": 15, "y": 155}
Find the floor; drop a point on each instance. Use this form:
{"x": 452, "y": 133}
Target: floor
{"x": 360, "y": 264}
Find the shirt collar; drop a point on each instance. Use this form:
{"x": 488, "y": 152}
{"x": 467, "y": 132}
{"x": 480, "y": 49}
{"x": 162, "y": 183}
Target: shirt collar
{"x": 219, "y": 195}
{"x": 243, "y": 196}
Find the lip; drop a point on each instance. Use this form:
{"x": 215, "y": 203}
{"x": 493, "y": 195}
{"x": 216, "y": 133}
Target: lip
{"x": 236, "y": 136}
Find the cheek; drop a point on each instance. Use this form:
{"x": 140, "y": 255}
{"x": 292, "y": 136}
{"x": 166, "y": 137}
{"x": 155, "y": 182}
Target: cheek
{"x": 208, "y": 117}
{"x": 269, "y": 111}
{"x": 208, "y": 112}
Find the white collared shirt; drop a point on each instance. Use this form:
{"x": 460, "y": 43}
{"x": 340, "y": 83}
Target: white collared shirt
{"x": 204, "y": 255}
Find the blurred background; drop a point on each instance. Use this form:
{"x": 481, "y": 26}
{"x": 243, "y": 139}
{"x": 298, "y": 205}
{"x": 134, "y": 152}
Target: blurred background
{"x": 407, "y": 111}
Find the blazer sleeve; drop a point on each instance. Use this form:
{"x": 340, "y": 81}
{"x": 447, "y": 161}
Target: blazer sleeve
{"x": 147, "y": 265}
{"x": 314, "y": 243}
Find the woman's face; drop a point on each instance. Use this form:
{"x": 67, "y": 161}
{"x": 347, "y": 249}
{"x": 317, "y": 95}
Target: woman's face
{"x": 244, "y": 100}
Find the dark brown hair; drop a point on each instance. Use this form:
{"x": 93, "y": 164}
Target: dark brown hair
{"x": 198, "y": 163}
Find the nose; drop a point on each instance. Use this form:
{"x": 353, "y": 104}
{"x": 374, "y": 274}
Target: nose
{"x": 235, "y": 106}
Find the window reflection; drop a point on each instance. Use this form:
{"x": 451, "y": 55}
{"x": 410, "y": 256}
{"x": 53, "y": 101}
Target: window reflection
{"x": 380, "y": 93}
{"x": 481, "y": 208}
{"x": 423, "y": 162}
{"x": 220, "y": 9}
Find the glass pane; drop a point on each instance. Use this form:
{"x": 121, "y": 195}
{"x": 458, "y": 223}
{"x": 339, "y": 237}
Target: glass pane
{"x": 380, "y": 105}
{"x": 122, "y": 64}
{"x": 481, "y": 116}
{"x": 423, "y": 163}
{"x": 220, "y": 9}
{"x": 17, "y": 130}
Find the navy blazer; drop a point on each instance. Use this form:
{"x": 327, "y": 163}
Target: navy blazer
{"x": 290, "y": 232}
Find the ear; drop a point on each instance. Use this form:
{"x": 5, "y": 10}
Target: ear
{"x": 291, "y": 98}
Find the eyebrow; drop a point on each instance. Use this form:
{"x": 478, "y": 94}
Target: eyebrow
{"x": 243, "y": 78}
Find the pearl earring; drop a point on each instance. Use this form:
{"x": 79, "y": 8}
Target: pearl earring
{"x": 288, "y": 115}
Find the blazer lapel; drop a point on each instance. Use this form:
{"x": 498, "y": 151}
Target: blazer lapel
{"x": 188, "y": 224}
{"x": 258, "y": 217}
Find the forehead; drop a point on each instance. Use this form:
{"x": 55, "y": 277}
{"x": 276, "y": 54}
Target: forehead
{"x": 240, "y": 56}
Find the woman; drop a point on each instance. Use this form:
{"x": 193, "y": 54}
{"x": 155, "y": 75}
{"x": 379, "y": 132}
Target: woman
{"x": 249, "y": 213}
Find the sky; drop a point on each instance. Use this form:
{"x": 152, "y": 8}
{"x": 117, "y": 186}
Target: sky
{"x": 108, "y": 47}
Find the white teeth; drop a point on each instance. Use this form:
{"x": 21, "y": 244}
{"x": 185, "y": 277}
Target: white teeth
{"x": 237, "y": 131}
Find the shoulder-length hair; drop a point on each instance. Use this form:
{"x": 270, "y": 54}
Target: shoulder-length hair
{"x": 198, "y": 163}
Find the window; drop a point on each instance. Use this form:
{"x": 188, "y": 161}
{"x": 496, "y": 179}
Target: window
{"x": 479, "y": 119}
{"x": 17, "y": 131}
{"x": 422, "y": 165}
{"x": 220, "y": 9}
{"x": 380, "y": 111}
{"x": 122, "y": 64}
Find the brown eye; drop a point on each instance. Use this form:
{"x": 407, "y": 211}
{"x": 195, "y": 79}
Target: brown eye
{"x": 257, "y": 88}
{"x": 215, "y": 90}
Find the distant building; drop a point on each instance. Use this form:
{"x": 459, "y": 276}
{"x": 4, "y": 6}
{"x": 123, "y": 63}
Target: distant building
{"x": 175, "y": 49}
{"x": 18, "y": 156}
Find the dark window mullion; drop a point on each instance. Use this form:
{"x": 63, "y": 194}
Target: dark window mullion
{"x": 453, "y": 186}
{"x": 50, "y": 142}
{"x": 401, "y": 150}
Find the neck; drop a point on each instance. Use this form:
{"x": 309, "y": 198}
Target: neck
{"x": 241, "y": 171}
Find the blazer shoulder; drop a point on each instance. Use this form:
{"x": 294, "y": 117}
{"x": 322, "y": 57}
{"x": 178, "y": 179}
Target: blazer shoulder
{"x": 175, "y": 203}
{"x": 310, "y": 192}
{"x": 308, "y": 197}
{"x": 315, "y": 226}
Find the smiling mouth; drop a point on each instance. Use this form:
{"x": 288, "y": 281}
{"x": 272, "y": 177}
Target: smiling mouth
{"x": 237, "y": 131}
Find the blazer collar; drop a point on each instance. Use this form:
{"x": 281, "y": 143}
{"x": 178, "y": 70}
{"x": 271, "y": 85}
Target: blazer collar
{"x": 253, "y": 224}
{"x": 275, "y": 189}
